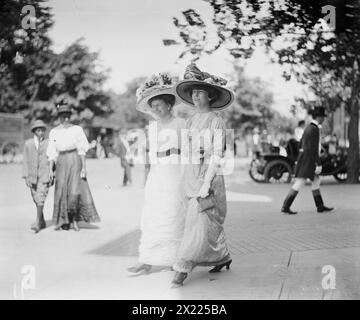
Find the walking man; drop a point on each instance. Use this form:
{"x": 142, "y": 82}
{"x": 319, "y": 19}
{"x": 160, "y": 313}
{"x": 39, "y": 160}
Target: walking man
{"x": 308, "y": 163}
{"x": 123, "y": 151}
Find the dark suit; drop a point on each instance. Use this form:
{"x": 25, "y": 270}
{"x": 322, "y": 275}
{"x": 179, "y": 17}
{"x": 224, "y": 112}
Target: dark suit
{"x": 308, "y": 157}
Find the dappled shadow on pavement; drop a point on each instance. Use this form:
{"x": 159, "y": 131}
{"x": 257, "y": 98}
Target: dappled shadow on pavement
{"x": 154, "y": 269}
{"x": 126, "y": 246}
{"x": 85, "y": 225}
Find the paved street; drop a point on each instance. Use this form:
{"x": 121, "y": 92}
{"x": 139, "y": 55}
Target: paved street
{"x": 274, "y": 256}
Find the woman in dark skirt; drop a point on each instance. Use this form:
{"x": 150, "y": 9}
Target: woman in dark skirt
{"x": 66, "y": 151}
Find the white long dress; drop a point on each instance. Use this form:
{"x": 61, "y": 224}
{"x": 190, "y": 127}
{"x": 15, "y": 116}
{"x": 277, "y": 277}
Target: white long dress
{"x": 163, "y": 214}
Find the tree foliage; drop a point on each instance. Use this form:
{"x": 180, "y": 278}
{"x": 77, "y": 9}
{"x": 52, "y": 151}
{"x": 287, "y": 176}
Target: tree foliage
{"x": 125, "y": 114}
{"x": 34, "y": 79}
{"x": 253, "y": 106}
{"x": 71, "y": 77}
{"x": 14, "y": 38}
{"x": 21, "y": 49}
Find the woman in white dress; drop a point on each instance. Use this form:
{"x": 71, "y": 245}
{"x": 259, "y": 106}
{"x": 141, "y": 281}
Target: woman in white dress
{"x": 66, "y": 152}
{"x": 162, "y": 221}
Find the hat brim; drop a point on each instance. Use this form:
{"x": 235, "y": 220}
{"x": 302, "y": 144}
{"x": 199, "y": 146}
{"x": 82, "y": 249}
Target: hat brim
{"x": 39, "y": 126}
{"x": 144, "y": 106}
{"x": 225, "y": 97}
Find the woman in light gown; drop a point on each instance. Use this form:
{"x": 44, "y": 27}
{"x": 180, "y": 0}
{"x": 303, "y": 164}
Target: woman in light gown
{"x": 66, "y": 152}
{"x": 162, "y": 220}
{"x": 204, "y": 242}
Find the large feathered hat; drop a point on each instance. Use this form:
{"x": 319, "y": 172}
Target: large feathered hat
{"x": 193, "y": 77}
{"x": 156, "y": 85}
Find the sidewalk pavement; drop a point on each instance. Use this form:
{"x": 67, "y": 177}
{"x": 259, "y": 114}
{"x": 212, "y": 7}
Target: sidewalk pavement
{"x": 275, "y": 256}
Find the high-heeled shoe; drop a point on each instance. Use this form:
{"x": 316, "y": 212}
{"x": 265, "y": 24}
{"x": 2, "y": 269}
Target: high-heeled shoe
{"x": 178, "y": 280}
{"x": 139, "y": 268}
{"x": 220, "y": 266}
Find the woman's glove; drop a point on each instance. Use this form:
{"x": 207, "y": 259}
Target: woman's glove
{"x": 204, "y": 190}
{"x": 318, "y": 170}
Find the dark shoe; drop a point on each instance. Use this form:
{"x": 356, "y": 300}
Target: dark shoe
{"x": 178, "y": 280}
{"x": 38, "y": 226}
{"x": 139, "y": 268}
{"x": 219, "y": 267}
{"x": 65, "y": 226}
{"x": 42, "y": 224}
{"x": 58, "y": 227}
{"x": 319, "y": 202}
{"x": 35, "y": 228}
{"x": 288, "y": 211}
{"x": 288, "y": 202}
{"x": 324, "y": 209}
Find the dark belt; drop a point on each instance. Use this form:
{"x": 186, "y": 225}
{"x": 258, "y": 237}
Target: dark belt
{"x": 67, "y": 151}
{"x": 168, "y": 152}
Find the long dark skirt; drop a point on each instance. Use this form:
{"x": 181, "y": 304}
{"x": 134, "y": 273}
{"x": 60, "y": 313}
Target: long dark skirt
{"x": 72, "y": 200}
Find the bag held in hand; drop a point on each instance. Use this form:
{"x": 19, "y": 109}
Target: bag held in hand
{"x": 206, "y": 203}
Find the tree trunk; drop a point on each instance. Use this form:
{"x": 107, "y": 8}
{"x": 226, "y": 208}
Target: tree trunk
{"x": 353, "y": 153}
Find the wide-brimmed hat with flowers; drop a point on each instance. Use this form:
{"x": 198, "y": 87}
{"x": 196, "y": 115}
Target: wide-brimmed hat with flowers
{"x": 156, "y": 85}
{"x": 193, "y": 78}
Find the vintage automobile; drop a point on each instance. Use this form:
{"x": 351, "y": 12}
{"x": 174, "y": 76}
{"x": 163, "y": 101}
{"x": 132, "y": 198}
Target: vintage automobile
{"x": 273, "y": 167}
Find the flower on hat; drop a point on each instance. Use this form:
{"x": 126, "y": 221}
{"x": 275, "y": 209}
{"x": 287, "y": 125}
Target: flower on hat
{"x": 155, "y": 82}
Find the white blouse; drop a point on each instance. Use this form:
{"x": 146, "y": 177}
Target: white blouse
{"x": 65, "y": 139}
